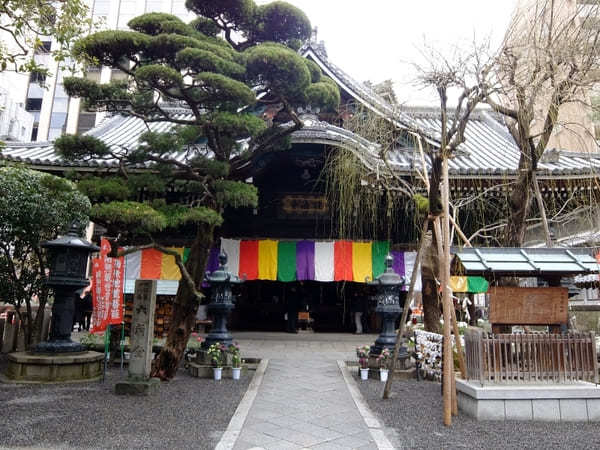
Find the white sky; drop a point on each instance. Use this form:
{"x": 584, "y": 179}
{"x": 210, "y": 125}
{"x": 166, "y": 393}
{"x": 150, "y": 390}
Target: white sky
{"x": 375, "y": 40}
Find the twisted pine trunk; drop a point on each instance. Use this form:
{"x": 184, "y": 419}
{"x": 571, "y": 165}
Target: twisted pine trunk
{"x": 185, "y": 307}
{"x": 430, "y": 293}
{"x": 520, "y": 207}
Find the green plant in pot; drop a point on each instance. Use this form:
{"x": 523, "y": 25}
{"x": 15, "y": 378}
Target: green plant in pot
{"x": 363, "y": 361}
{"x": 217, "y": 353}
{"x": 236, "y": 360}
{"x": 383, "y": 359}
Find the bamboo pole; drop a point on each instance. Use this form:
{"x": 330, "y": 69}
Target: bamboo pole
{"x": 460, "y": 233}
{"x": 454, "y": 399}
{"x": 448, "y": 367}
{"x": 461, "y": 356}
{"x": 409, "y": 296}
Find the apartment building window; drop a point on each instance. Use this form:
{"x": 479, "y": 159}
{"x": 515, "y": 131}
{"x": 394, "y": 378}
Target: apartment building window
{"x": 33, "y": 104}
{"x": 87, "y": 121}
{"x": 44, "y": 48}
{"x": 37, "y": 77}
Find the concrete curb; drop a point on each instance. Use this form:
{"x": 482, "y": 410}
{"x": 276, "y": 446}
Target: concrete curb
{"x": 239, "y": 416}
{"x": 371, "y": 421}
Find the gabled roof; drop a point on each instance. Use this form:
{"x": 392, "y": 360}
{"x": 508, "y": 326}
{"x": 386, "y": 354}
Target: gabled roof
{"x": 489, "y": 151}
{"x": 359, "y": 91}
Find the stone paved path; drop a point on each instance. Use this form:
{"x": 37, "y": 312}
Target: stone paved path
{"x": 303, "y": 401}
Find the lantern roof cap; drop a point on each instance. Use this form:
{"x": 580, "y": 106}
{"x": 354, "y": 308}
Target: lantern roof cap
{"x": 71, "y": 239}
{"x": 389, "y": 276}
{"x": 222, "y": 274}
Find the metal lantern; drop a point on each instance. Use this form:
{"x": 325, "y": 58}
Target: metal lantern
{"x": 67, "y": 260}
{"x": 387, "y": 287}
{"x": 221, "y": 302}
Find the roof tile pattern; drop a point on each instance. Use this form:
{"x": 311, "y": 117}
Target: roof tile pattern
{"x": 488, "y": 151}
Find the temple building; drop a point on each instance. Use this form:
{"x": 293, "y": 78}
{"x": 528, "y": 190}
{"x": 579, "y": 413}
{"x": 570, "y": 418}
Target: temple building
{"x": 292, "y": 243}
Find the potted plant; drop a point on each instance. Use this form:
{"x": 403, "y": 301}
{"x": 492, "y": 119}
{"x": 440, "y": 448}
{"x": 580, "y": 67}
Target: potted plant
{"x": 236, "y": 360}
{"x": 217, "y": 353}
{"x": 363, "y": 361}
{"x": 383, "y": 359}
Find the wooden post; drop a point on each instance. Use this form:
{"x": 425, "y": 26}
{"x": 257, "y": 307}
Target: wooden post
{"x": 448, "y": 365}
{"x": 409, "y": 296}
{"x": 461, "y": 357}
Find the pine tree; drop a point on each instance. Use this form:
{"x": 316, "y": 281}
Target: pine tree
{"x": 233, "y": 56}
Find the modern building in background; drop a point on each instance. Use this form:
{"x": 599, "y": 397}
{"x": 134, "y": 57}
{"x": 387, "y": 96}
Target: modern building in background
{"x": 54, "y": 113}
{"x": 16, "y": 124}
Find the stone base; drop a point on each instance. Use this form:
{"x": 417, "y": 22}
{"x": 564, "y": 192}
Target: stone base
{"x": 24, "y": 367}
{"x": 137, "y": 387}
{"x": 577, "y": 402}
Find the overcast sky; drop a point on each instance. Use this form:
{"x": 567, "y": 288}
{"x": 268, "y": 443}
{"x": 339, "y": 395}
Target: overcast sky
{"x": 374, "y": 40}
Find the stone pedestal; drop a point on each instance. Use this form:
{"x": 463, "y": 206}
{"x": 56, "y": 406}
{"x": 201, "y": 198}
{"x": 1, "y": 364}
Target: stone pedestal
{"x": 544, "y": 402}
{"x": 24, "y": 367}
{"x": 63, "y": 310}
{"x": 137, "y": 387}
{"x": 142, "y": 333}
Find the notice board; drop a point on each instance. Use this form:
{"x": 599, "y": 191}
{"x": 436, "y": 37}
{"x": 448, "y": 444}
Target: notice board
{"x": 528, "y": 306}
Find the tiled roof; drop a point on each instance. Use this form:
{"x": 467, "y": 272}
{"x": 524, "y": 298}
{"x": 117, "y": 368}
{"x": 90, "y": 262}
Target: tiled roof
{"x": 489, "y": 150}
{"x": 123, "y": 132}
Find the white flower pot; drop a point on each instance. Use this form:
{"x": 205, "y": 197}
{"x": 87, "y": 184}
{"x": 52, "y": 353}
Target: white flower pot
{"x": 217, "y": 372}
{"x": 235, "y": 372}
{"x": 364, "y": 374}
{"x": 383, "y": 374}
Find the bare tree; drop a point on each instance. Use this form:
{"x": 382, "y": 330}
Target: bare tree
{"x": 547, "y": 63}
{"x": 461, "y": 76}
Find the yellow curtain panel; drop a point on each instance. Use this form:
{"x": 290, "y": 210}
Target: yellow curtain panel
{"x": 458, "y": 284}
{"x": 267, "y": 260}
{"x": 362, "y": 261}
{"x": 168, "y": 269}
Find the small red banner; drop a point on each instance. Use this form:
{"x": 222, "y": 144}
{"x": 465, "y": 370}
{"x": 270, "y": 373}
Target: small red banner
{"x": 108, "y": 276}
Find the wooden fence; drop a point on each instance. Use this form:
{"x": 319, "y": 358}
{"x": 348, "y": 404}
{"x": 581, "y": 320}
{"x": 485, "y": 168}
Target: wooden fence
{"x": 531, "y": 357}
{"x": 11, "y": 332}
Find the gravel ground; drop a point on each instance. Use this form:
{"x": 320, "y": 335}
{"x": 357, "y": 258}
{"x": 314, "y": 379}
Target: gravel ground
{"x": 414, "y": 418}
{"x": 187, "y": 412}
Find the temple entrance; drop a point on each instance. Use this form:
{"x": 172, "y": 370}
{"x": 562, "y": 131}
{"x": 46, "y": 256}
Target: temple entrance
{"x": 317, "y": 306}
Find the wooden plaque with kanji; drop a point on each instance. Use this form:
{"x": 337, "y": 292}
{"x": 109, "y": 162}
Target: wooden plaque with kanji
{"x": 528, "y": 306}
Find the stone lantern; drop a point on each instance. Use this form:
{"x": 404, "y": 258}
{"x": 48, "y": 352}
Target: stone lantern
{"x": 387, "y": 286}
{"x": 221, "y": 302}
{"x": 67, "y": 260}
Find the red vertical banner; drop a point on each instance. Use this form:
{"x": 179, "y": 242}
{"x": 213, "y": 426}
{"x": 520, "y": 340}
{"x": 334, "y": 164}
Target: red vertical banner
{"x": 108, "y": 277}
{"x": 99, "y": 313}
{"x": 342, "y": 261}
{"x": 116, "y": 293}
{"x": 249, "y": 260}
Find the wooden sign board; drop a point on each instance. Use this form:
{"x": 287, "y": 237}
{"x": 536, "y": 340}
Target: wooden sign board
{"x": 528, "y": 306}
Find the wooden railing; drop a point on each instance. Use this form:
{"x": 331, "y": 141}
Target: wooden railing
{"x": 531, "y": 357}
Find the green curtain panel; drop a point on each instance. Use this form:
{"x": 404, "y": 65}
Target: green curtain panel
{"x": 380, "y": 250}
{"x": 286, "y": 261}
{"x": 477, "y": 285}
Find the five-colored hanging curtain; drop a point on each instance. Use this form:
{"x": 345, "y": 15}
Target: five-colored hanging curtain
{"x": 285, "y": 261}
